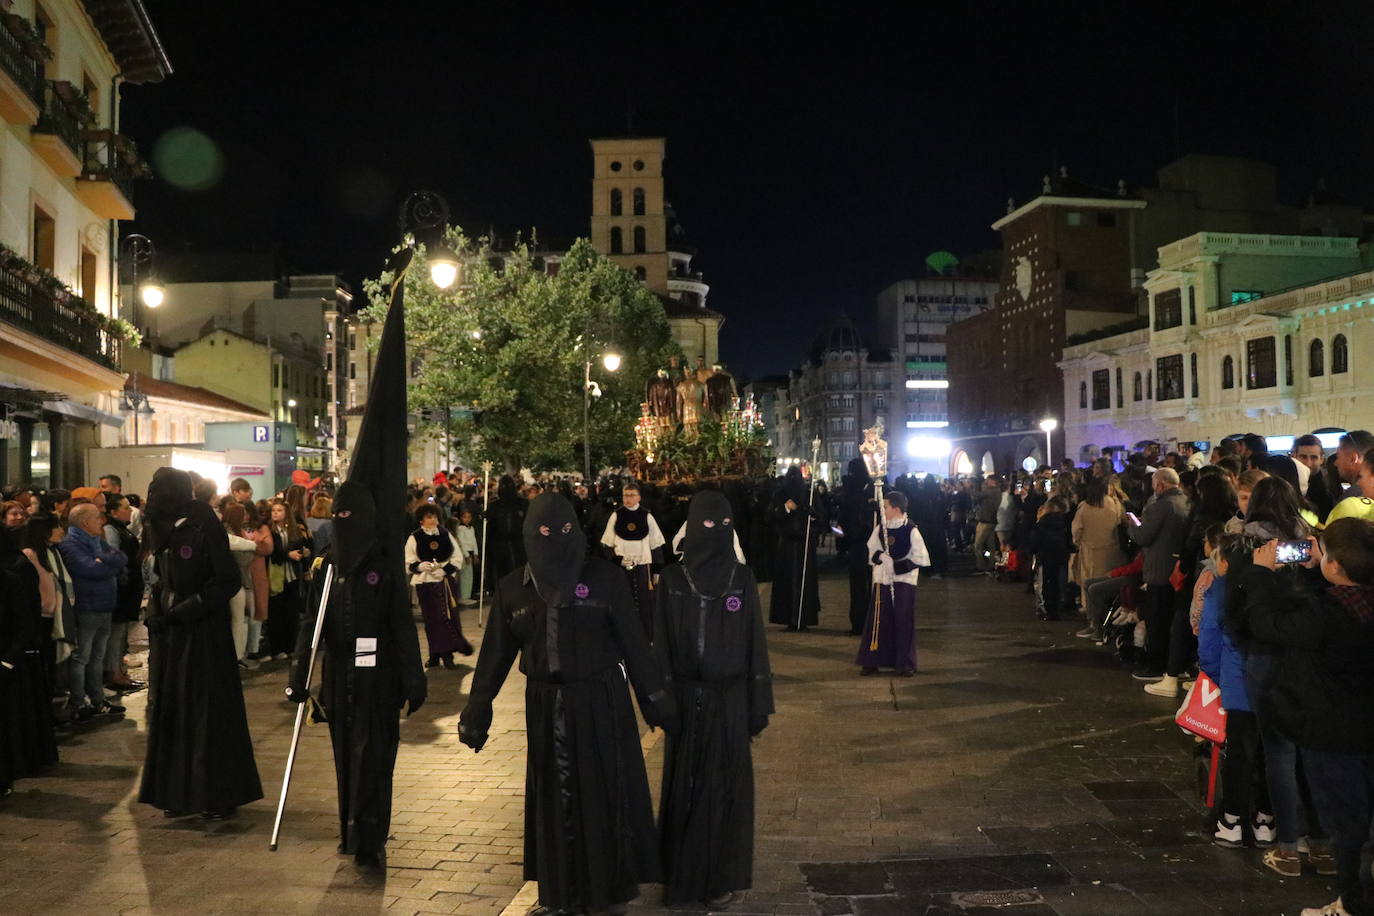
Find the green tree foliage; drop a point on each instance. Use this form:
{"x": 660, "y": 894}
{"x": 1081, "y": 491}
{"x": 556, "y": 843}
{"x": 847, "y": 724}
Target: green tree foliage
{"x": 507, "y": 342}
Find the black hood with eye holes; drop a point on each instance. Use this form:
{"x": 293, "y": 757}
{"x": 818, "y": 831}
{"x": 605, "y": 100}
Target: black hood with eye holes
{"x": 708, "y": 547}
{"x": 355, "y": 524}
{"x": 555, "y": 547}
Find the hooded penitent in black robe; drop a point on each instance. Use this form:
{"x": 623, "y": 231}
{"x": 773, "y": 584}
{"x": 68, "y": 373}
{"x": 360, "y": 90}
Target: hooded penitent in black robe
{"x": 199, "y": 754}
{"x": 589, "y": 824}
{"x": 763, "y": 539}
{"x": 27, "y": 742}
{"x": 858, "y": 515}
{"x": 505, "y": 519}
{"x": 371, "y": 668}
{"x": 795, "y": 552}
{"x": 709, "y": 637}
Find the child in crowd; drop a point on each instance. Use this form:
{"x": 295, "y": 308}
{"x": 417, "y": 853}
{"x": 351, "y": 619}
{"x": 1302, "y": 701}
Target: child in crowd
{"x": 1223, "y": 661}
{"x": 1049, "y": 543}
{"x": 467, "y": 546}
{"x": 1245, "y": 485}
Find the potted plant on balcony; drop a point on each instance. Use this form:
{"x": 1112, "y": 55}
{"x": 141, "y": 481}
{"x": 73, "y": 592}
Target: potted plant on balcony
{"x": 28, "y": 37}
{"x": 75, "y": 101}
{"x": 122, "y": 329}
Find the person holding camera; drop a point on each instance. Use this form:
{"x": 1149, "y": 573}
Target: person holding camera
{"x": 1322, "y": 696}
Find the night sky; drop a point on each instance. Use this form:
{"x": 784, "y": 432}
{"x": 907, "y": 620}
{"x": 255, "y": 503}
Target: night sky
{"x": 813, "y": 159}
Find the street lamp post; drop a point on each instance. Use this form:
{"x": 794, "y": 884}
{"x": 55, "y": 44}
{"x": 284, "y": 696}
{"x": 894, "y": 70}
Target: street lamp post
{"x": 137, "y": 251}
{"x": 136, "y": 403}
{"x": 1049, "y": 425}
{"x": 611, "y": 361}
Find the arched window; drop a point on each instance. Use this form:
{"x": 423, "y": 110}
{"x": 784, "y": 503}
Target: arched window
{"x": 1192, "y": 372}
{"x": 641, "y": 274}
{"x": 1316, "y": 359}
{"x": 617, "y": 202}
{"x": 1083, "y": 395}
{"x": 1135, "y": 392}
{"x": 1149, "y": 384}
{"x": 1228, "y": 372}
{"x": 617, "y": 241}
{"x": 640, "y": 245}
{"x": 1340, "y": 355}
{"x": 639, "y": 201}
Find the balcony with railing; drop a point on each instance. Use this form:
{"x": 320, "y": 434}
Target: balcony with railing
{"x": 28, "y": 304}
{"x": 57, "y": 137}
{"x": 111, "y": 166}
{"x": 21, "y": 81}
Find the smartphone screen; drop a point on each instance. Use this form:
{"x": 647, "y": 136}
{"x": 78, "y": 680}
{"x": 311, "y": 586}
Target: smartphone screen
{"x": 1294, "y": 551}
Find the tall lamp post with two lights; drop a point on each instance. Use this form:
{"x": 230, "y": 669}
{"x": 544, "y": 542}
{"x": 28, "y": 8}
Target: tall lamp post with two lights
{"x": 611, "y": 361}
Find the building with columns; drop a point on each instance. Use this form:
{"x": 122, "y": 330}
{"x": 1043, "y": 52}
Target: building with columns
{"x": 1245, "y": 333}
{"x": 66, "y": 183}
{"x": 634, "y": 225}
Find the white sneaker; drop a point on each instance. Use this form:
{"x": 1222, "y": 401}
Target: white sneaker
{"x": 1166, "y": 686}
{"x": 1229, "y": 833}
{"x": 1086, "y": 633}
{"x": 1121, "y": 617}
{"x": 1334, "y": 908}
{"x": 1263, "y": 830}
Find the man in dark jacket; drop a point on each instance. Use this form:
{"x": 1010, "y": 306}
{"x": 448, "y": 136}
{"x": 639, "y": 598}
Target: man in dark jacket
{"x": 1161, "y": 532}
{"x": 1323, "y": 695}
{"x": 95, "y": 567}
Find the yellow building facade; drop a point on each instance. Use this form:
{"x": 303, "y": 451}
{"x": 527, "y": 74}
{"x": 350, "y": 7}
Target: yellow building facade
{"x": 633, "y": 225}
{"x": 65, "y": 184}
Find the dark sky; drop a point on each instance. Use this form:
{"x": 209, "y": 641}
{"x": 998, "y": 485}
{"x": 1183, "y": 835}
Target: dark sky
{"x": 812, "y": 158}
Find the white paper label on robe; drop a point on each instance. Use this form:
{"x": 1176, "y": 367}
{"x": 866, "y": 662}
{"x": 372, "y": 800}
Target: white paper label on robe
{"x": 365, "y": 661}
{"x": 366, "y": 644}
{"x": 365, "y": 652}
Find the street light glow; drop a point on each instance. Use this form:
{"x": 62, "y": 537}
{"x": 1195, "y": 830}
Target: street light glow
{"x": 153, "y": 295}
{"x": 611, "y": 361}
{"x": 1049, "y": 424}
{"x": 291, "y": 402}
{"x": 927, "y": 447}
{"x": 443, "y": 266}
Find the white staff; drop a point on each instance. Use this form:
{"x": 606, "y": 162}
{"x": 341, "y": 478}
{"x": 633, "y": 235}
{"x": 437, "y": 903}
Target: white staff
{"x": 300, "y": 709}
{"x": 806, "y": 544}
{"x": 482, "y": 557}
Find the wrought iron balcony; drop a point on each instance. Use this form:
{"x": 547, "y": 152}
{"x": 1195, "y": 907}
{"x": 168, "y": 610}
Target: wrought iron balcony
{"x": 111, "y": 165}
{"x": 57, "y": 135}
{"x": 17, "y": 61}
{"x": 32, "y": 307}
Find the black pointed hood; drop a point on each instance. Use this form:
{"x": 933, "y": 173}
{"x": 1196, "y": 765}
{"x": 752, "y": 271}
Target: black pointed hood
{"x": 379, "y": 461}
{"x": 708, "y": 547}
{"x": 555, "y": 548}
{"x": 355, "y": 524}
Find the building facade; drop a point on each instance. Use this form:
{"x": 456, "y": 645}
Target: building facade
{"x": 1246, "y": 333}
{"x": 1074, "y": 262}
{"x": 913, "y": 319}
{"x": 165, "y": 413}
{"x": 634, "y": 225}
{"x": 842, "y": 389}
{"x": 65, "y": 184}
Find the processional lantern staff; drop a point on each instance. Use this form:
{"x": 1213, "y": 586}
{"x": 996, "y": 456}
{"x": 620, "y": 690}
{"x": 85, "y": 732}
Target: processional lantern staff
{"x": 810, "y": 514}
{"x": 482, "y": 557}
{"x": 874, "y": 452}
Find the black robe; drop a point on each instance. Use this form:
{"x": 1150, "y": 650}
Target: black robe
{"x": 505, "y": 542}
{"x": 27, "y": 741}
{"x": 717, "y": 657}
{"x": 362, "y": 701}
{"x": 589, "y": 823}
{"x": 199, "y": 753}
{"x": 795, "y": 551}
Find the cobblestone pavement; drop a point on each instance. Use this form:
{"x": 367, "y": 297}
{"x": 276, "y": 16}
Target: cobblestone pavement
{"x": 1020, "y": 771}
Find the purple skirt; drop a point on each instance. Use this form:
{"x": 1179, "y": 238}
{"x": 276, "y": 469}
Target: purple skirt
{"x": 895, "y": 643}
{"x": 443, "y": 629}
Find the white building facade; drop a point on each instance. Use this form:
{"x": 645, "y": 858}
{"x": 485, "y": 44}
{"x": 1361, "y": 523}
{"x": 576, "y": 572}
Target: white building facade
{"x": 1247, "y": 333}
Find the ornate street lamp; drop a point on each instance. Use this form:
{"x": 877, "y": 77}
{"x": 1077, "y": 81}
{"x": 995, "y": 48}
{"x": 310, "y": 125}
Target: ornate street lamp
{"x": 426, "y": 213}
{"x": 138, "y": 252}
{"x": 1049, "y": 425}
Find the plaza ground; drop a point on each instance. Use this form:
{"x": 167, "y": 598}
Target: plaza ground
{"x": 1020, "y": 771}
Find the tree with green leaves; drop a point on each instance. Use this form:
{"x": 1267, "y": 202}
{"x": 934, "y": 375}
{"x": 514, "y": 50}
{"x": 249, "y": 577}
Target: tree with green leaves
{"x": 508, "y": 342}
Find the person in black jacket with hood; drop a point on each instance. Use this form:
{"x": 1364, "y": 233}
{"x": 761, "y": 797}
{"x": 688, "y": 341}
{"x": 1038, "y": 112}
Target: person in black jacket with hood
{"x": 1049, "y": 542}
{"x": 504, "y": 520}
{"x": 858, "y": 514}
{"x": 1322, "y": 696}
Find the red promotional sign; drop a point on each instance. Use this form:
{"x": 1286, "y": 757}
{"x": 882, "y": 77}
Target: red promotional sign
{"x": 1201, "y": 713}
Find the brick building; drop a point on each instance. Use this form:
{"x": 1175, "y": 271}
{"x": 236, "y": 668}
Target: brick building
{"x": 1074, "y": 262}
